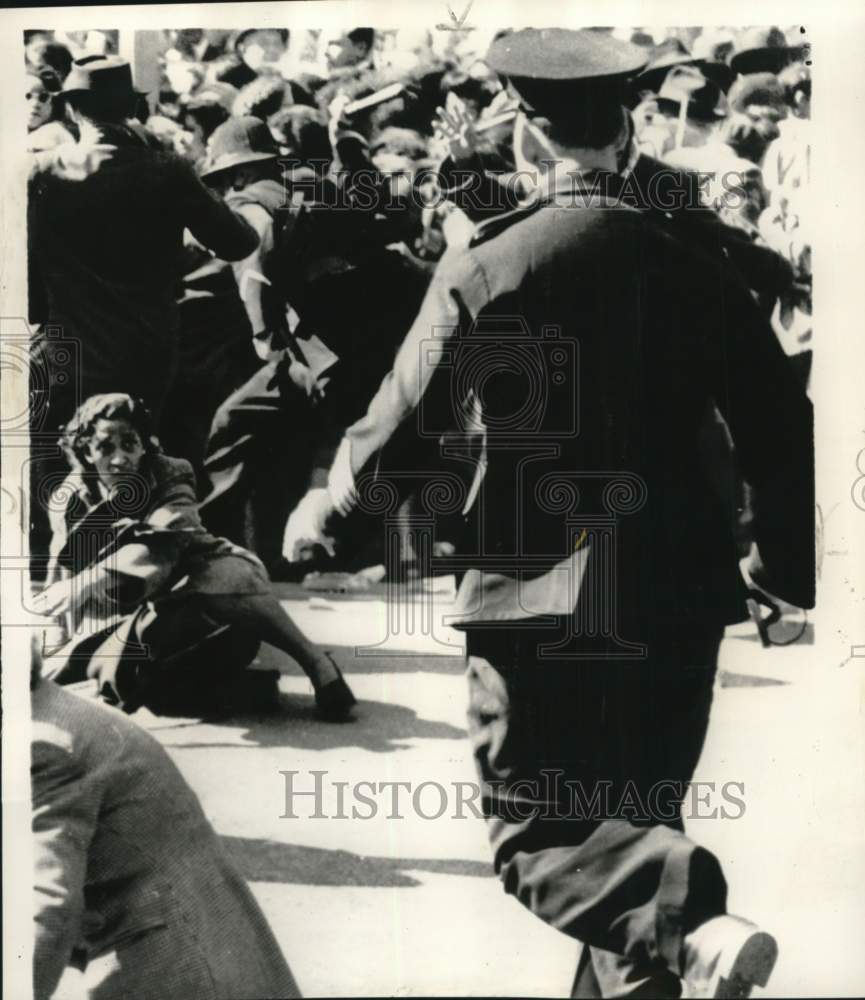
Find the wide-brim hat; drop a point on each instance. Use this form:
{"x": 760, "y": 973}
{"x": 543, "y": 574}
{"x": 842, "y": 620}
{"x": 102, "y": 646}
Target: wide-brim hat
{"x": 769, "y": 59}
{"x": 655, "y": 73}
{"x": 687, "y": 85}
{"x": 103, "y": 76}
{"x": 762, "y": 50}
{"x": 239, "y": 141}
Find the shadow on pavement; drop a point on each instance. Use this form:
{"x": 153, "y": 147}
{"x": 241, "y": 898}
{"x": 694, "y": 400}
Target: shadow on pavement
{"x": 378, "y": 726}
{"x": 273, "y": 861}
{"x": 376, "y": 662}
{"x": 786, "y": 632}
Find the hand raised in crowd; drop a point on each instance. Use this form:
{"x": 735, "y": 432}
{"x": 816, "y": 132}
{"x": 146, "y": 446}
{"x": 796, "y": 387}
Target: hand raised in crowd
{"x": 76, "y": 161}
{"x": 454, "y": 127}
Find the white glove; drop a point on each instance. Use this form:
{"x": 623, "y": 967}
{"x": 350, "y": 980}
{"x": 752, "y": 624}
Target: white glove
{"x": 306, "y": 525}
{"x": 76, "y": 161}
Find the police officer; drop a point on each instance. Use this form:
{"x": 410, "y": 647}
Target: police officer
{"x": 599, "y": 567}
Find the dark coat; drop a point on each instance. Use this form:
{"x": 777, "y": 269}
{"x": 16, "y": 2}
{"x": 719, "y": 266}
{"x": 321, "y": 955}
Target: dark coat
{"x": 670, "y": 195}
{"x": 591, "y": 342}
{"x": 108, "y": 250}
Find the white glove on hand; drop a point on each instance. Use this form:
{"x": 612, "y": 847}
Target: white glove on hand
{"x": 76, "y": 161}
{"x": 306, "y": 525}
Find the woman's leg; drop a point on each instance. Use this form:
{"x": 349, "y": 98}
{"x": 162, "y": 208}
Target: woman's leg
{"x": 264, "y": 615}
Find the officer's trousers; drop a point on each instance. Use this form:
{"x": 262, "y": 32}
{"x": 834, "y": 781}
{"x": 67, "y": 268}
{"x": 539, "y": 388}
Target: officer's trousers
{"x": 583, "y": 766}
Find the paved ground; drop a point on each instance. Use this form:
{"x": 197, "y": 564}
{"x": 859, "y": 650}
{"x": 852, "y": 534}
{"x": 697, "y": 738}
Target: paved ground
{"x": 408, "y": 906}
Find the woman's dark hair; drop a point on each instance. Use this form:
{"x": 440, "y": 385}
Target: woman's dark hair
{"x": 106, "y": 406}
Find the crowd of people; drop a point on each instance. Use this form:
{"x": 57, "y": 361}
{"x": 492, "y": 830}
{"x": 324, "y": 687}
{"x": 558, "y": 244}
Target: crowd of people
{"x": 222, "y": 274}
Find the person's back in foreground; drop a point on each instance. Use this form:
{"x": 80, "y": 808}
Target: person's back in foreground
{"x": 131, "y": 882}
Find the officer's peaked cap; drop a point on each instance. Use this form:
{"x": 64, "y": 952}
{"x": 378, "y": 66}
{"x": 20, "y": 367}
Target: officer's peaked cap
{"x": 551, "y": 68}
{"x": 562, "y": 55}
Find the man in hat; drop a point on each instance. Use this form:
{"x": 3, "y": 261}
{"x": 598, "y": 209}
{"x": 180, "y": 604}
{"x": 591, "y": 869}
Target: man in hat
{"x": 690, "y": 107}
{"x": 243, "y": 167}
{"x": 589, "y": 339}
{"x": 327, "y": 303}
{"x": 108, "y": 248}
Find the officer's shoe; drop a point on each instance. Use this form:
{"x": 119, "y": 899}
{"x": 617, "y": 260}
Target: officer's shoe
{"x": 727, "y": 957}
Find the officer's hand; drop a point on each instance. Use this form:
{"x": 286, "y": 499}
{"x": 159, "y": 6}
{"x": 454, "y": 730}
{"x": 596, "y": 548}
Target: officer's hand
{"x": 306, "y": 525}
{"x": 454, "y": 127}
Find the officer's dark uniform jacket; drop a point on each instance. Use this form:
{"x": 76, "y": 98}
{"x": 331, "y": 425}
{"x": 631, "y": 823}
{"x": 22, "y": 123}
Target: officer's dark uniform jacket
{"x": 670, "y": 194}
{"x": 592, "y": 340}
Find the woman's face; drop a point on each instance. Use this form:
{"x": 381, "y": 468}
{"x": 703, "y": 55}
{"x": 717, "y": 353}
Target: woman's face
{"x": 115, "y": 451}
{"x": 38, "y": 103}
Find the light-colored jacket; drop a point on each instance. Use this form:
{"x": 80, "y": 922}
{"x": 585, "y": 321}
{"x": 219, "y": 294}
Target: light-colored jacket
{"x": 129, "y": 871}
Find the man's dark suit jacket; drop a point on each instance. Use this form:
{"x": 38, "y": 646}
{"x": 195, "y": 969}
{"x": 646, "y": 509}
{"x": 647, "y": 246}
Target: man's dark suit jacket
{"x": 108, "y": 252}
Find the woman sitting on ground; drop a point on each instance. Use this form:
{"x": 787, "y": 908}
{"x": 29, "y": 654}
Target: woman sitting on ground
{"x": 151, "y": 599}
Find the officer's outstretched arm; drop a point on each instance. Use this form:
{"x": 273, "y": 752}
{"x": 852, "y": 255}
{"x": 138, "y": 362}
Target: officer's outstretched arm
{"x": 416, "y": 400}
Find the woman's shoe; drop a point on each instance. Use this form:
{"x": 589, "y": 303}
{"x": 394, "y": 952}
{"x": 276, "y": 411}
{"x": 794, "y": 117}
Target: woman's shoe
{"x": 334, "y": 701}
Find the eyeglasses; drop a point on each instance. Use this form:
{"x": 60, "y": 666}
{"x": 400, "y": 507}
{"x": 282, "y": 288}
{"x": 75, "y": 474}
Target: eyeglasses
{"x": 38, "y": 95}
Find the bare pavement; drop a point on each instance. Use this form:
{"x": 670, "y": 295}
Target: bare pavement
{"x": 409, "y": 906}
